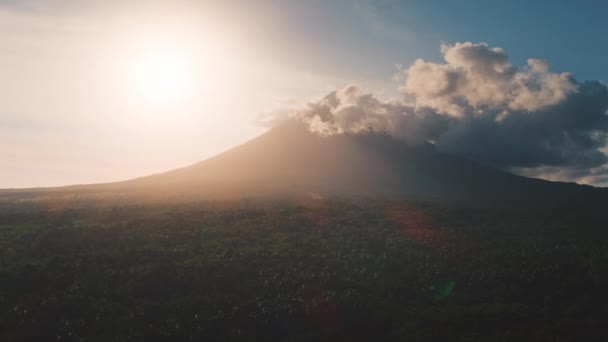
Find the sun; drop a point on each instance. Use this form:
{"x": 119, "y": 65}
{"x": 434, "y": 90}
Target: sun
{"x": 164, "y": 77}
{"x": 173, "y": 75}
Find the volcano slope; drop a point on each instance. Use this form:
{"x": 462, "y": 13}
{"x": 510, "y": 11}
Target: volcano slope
{"x": 290, "y": 162}
{"x": 297, "y": 237}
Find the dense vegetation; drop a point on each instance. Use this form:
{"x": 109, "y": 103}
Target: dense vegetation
{"x": 329, "y": 270}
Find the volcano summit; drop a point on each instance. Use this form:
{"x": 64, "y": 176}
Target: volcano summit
{"x": 291, "y": 162}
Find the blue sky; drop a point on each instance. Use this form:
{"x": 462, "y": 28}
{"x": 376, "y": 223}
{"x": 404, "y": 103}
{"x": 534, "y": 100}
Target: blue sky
{"x": 374, "y": 35}
{"x": 371, "y": 36}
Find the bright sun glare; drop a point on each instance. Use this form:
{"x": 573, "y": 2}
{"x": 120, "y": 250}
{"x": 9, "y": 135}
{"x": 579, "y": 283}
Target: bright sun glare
{"x": 174, "y": 74}
{"x": 164, "y": 78}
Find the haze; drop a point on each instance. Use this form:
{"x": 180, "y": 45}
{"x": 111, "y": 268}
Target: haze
{"x": 99, "y": 91}
{"x": 303, "y": 170}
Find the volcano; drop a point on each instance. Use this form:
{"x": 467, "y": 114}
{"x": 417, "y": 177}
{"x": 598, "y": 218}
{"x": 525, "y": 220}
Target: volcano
{"x": 291, "y": 162}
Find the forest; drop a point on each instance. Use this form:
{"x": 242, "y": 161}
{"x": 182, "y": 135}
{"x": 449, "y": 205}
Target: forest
{"x": 325, "y": 270}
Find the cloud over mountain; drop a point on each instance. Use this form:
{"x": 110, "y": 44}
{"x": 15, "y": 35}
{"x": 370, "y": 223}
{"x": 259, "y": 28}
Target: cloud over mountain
{"x": 478, "y": 79}
{"x": 480, "y": 106}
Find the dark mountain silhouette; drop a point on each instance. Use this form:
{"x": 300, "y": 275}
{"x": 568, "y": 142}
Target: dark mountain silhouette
{"x": 289, "y": 161}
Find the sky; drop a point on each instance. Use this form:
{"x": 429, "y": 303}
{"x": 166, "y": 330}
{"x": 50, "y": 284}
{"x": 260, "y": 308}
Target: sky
{"x": 84, "y": 97}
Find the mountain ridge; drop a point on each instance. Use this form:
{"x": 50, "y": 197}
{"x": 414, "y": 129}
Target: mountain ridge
{"x": 290, "y": 161}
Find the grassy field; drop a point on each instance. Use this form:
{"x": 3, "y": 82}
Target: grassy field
{"x": 327, "y": 270}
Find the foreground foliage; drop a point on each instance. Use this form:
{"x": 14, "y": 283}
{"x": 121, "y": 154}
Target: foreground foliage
{"x": 329, "y": 270}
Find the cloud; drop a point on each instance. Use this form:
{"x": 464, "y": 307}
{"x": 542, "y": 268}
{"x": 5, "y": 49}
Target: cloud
{"x": 478, "y": 105}
{"x": 350, "y": 110}
{"x": 478, "y": 80}
{"x": 593, "y": 176}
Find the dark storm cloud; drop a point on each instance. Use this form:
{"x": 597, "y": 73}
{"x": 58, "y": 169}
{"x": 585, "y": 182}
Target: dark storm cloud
{"x": 477, "y": 105}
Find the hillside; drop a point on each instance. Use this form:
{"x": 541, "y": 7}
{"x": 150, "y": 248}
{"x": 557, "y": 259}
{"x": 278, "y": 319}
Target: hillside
{"x": 290, "y": 162}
